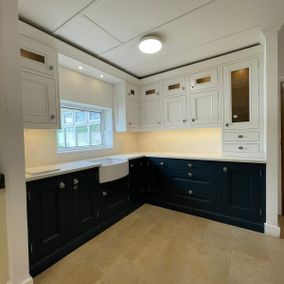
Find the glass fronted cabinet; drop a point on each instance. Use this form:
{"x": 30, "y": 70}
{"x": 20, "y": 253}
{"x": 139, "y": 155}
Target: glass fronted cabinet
{"x": 241, "y": 92}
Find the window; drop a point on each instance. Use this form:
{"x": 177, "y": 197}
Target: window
{"x": 84, "y": 127}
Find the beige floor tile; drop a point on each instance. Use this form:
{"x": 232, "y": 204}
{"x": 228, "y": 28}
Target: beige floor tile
{"x": 155, "y": 245}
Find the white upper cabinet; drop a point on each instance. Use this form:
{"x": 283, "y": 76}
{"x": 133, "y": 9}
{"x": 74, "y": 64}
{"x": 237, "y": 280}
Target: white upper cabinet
{"x": 126, "y": 107}
{"x": 39, "y": 84}
{"x": 203, "y": 80}
{"x": 38, "y": 57}
{"x": 151, "y": 115}
{"x": 150, "y": 92}
{"x": 175, "y": 114}
{"x": 241, "y": 95}
{"x": 204, "y": 108}
{"x": 175, "y": 86}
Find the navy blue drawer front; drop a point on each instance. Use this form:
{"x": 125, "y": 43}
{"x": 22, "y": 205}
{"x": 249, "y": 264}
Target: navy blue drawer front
{"x": 195, "y": 194}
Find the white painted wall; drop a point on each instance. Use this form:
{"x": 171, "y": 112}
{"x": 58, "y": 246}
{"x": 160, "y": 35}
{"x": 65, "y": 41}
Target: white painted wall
{"x": 12, "y": 151}
{"x": 40, "y": 145}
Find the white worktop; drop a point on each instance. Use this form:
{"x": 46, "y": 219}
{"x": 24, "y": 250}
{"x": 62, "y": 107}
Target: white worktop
{"x": 36, "y": 173}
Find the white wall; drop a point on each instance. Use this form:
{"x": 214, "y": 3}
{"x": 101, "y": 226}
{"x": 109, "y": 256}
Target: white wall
{"x": 40, "y": 145}
{"x": 281, "y": 52}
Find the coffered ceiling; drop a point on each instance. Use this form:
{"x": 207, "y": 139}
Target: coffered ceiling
{"x": 191, "y": 30}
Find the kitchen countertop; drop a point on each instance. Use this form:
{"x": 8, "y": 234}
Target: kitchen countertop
{"x": 41, "y": 172}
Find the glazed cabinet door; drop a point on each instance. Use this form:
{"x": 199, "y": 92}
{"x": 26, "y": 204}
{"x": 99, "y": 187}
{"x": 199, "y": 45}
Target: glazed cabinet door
{"x": 47, "y": 216}
{"x": 85, "y": 193}
{"x": 241, "y": 95}
{"x": 204, "y": 108}
{"x": 175, "y": 113}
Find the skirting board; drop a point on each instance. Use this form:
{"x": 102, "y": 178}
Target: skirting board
{"x": 272, "y": 230}
{"x": 27, "y": 281}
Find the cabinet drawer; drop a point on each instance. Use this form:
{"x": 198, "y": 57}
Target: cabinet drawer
{"x": 151, "y": 92}
{"x": 175, "y": 86}
{"x": 204, "y": 80}
{"x": 241, "y": 148}
{"x": 38, "y": 57}
{"x": 192, "y": 193}
{"x": 241, "y": 136}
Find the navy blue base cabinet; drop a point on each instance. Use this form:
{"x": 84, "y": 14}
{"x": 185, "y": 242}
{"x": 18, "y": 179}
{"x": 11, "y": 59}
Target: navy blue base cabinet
{"x": 67, "y": 210}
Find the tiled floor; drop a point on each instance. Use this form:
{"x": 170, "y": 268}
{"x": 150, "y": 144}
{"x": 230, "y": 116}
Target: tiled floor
{"x": 155, "y": 245}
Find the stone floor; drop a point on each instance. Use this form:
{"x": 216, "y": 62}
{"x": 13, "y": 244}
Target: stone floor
{"x": 156, "y": 245}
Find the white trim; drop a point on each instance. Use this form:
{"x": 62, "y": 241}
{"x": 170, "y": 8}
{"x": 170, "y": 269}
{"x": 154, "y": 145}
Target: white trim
{"x": 27, "y": 281}
{"x": 281, "y": 80}
{"x": 271, "y": 230}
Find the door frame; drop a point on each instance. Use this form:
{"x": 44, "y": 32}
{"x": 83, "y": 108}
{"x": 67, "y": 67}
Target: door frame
{"x": 281, "y": 193}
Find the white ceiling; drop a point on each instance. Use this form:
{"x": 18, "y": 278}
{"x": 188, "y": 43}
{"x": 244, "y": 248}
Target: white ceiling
{"x": 191, "y": 30}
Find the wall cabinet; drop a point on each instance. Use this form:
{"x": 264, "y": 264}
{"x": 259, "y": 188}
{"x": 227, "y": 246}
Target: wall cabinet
{"x": 39, "y": 84}
{"x": 204, "y": 108}
{"x": 203, "y": 80}
{"x": 150, "y": 92}
{"x": 151, "y": 115}
{"x": 175, "y": 112}
{"x": 126, "y": 107}
{"x": 175, "y": 86}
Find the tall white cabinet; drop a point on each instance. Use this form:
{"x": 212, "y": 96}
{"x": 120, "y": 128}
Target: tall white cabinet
{"x": 39, "y": 84}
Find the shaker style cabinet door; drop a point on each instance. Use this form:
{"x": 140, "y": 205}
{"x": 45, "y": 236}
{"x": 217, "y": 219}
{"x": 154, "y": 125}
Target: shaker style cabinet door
{"x": 175, "y": 113}
{"x": 132, "y": 115}
{"x": 47, "y": 216}
{"x": 241, "y": 95}
{"x": 204, "y": 108}
{"x": 39, "y": 99}
{"x": 151, "y": 114}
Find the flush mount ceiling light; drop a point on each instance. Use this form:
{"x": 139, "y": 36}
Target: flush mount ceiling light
{"x": 150, "y": 44}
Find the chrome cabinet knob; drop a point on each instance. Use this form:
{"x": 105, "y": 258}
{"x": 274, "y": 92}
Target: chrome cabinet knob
{"x": 62, "y": 185}
{"x": 183, "y": 88}
{"x": 193, "y": 119}
{"x": 192, "y": 86}
{"x": 162, "y": 163}
{"x": 240, "y": 147}
{"x": 52, "y": 116}
{"x": 104, "y": 193}
{"x": 189, "y": 165}
{"x": 75, "y": 181}
{"x": 240, "y": 136}
{"x": 75, "y": 187}
{"x": 190, "y": 192}
{"x": 184, "y": 120}
{"x": 189, "y": 174}
{"x": 131, "y": 165}
{"x": 225, "y": 169}
{"x": 50, "y": 67}
{"x": 227, "y": 124}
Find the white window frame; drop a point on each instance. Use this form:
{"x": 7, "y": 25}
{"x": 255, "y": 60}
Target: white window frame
{"x": 106, "y": 127}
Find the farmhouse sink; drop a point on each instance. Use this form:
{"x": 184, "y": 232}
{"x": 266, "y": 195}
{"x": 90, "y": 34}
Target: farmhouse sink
{"x": 112, "y": 169}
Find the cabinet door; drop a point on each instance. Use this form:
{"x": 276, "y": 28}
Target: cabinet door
{"x": 47, "y": 216}
{"x": 135, "y": 179}
{"x": 38, "y": 57}
{"x": 114, "y": 196}
{"x": 175, "y": 86}
{"x": 175, "y": 111}
{"x": 158, "y": 179}
{"x": 151, "y": 92}
{"x": 151, "y": 114}
{"x": 204, "y": 108}
{"x": 133, "y": 114}
{"x": 39, "y": 99}
{"x": 132, "y": 91}
{"x": 241, "y": 88}
{"x": 203, "y": 80}
{"x": 244, "y": 191}
{"x": 85, "y": 189}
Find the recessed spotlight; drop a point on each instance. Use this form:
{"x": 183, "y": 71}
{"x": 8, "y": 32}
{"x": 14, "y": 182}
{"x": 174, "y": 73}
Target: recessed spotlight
{"x": 150, "y": 44}
{"x": 101, "y": 75}
{"x": 80, "y": 67}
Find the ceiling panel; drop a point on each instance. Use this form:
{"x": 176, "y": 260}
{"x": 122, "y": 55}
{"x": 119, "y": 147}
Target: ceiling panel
{"x": 88, "y": 35}
{"x": 212, "y": 23}
{"x": 50, "y": 14}
{"x": 126, "y": 19}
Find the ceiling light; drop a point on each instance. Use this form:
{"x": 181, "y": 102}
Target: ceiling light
{"x": 150, "y": 44}
{"x": 101, "y": 75}
{"x": 80, "y": 67}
